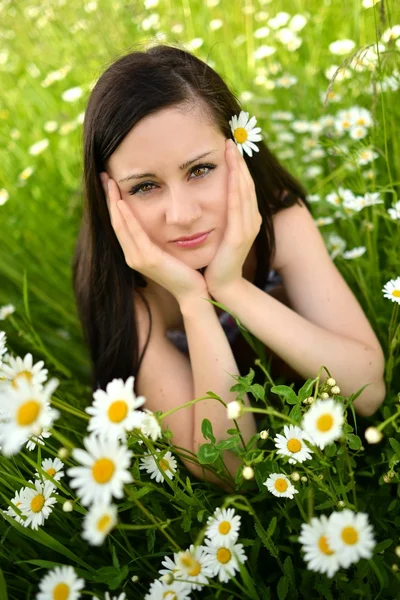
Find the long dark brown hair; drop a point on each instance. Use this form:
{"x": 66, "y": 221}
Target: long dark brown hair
{"x": 136, "y": 85}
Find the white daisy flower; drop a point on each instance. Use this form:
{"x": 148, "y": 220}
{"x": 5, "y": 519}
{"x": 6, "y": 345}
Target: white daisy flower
{"x": 39, "y": 147}
{"x": 17, "y": 501}
{"x": 245, "y": 133}
{"x": 192, "y": 566}
{"x": 104, "y": 471}
{"x": 350, "y": 535}
{"x": 60, "y": 582}
{"x": 354, "y": 252}
{"x": 264, "y": 51}
{"x": 366, "y": 156}
{"x": 369, "y": 3}
{"x": 26, "y": 173}
{"x": 223, "y": 527}
{"x": 167, "y": 463}
{"x": 176, "y": 590}
{"x": 37, "y": 440}
{"x": 53, "y": 467}
{"x": 114, "y": 410}
{"x": 22, "y": 368}
{"x": 292, "y": 444}
{"x": 72, "y": 94}
{"x": 318, "y": 554}
{"x": 341, "y": 47}
{"x": 357, "y": 133}
{"x": 279, "y": 485}
{"x": 394, "y": 211}
{"x": 323, "y": 422}
{"x": 391, "y": 290}
{"x": 4, "y": 196}
{"x": 7, "y": 309}
{"x": 99, "y": 520}
{"x": 28, "y": 411}
{"x": 3, "y": 347}
{"x": 225, "y": 559}
{"x": 37, "y": 503}
{"x": 149, "y": 425}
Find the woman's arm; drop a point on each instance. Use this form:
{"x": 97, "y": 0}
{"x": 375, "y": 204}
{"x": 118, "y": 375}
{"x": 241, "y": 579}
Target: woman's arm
{"x": 212, "y": 364}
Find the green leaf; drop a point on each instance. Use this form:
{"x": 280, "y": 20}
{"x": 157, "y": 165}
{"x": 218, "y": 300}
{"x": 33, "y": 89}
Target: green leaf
{"x": 43, "y": 538}
{"x": 295, "y": 413}
{"x": 323, "y": 589}
{"x": 330, "y": 450}
{"x": 289, "y": 572}
{"x": 327, "y": 504}
{"x": 382, "y": 546}
{"x": 258, "y": 391}
{"x": 395, "y": 445}
{"x": 207, "y": 454}
{"x": 306, "y": 390}
{"x": 3, "y": 587}
{"x": 286, "y": 392}
{"x": 200, "y": 515}
{"x": 206, "y": 430}
{"x": 354, "y": 441}
{"x": 283, "y": 587}
{"x": 271, "y": 527}
{"x": 228, "y": 444}
{"x": 268, "y": 543}
{"x": 110, "y": 575}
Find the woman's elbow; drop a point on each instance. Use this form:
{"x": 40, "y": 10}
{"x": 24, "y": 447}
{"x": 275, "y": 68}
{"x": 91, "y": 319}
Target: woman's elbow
{"x": 370, "y": 399}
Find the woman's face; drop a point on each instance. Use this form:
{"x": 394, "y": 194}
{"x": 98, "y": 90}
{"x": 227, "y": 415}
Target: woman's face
{"x": 171, "y": 170}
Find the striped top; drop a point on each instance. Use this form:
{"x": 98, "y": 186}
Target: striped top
{"x": 178, "y": 337}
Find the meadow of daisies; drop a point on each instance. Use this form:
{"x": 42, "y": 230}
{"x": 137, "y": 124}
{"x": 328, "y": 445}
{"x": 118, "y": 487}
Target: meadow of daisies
{"x": 94, "y": 501}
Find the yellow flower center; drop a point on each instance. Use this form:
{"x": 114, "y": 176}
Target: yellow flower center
{"x": 117, "y": 411}
{"x": 360, "y": 121}
{"x": 324, "y": 546}
{"x": 281, "y": 485}
{"x": 325, "y": 422}
{"x": 26, "y": 374}
{"x": 103, "y": 523}
{"x": 294, "y": 445}
{"x": 51, "y": 471}
{"x": 240, "y": 134}
{"x": 102, "y": 470}
{"x": 224, "y": 527}
{"x": 171, "y": 594}
{"x": 28, "y": 412}
{"x": 396, "y": 293}
{"x": 164, "y": 464}
{"x": 37, "y": 503}
{"x": 224, "y": 555}
{"x": 61, "y": 591}
{"x": 190, "y": 564}
{"x": 349, "y": 535}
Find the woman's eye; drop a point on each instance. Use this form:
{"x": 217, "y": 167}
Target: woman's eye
{"x": 201, "y": 170}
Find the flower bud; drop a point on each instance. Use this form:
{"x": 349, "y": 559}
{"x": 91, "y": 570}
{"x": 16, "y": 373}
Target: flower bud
{"x": 295, "y": 476}
{"x": 335, "y": 390}
{"x": 134, "y": 578}
{"x": 303, "y": 478}
{"x": 331, "y": 382}
{"x": 264, "y": 434}
{"x": 234, "y": 409}
{"x": 395, "y": 568}
{"x": 63, "y": 453}
{"x": 373, "y": 435}
{"x": 341, "y": 504}
{"x": 248, "y": 472}
{"x": 386, "y": 479}
{"x": 324, "y": 395}
{"x": 168, "y": 578}
{"x": 68, "y": 506}
{"x": 397, "y": 551}
{"x": 320, "y": 476}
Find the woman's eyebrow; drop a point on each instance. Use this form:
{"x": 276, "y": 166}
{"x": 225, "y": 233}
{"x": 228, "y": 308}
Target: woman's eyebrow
{"x": 182, "y": 168}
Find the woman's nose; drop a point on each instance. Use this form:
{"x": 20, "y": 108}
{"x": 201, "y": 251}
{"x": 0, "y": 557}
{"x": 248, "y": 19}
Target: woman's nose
{"x": 182, "y": 208}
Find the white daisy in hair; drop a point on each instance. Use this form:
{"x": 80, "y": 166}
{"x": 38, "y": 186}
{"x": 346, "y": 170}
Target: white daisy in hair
{"x": 17, "y": 501}
{"x": 167, "y": 462}
{"x": 192, "y": 565}
{"x": 391, "y": 290}
{"x": 245, "y": 133}
{"x": 60, "y": 582}
{"x": 323, "y": 422}
{"x": 28, "y": 411}
{"x": 177, "y": 590}
{"x": 351, "y": 536}
{"x": 223, "y": 527}
{"x": 279, "y": 485}
{"x": 291, "y": 444}
{"x": 114, "y": 410}
{"x": 53, "y": 467}
{"x": 19, "y": 368}
{"x": 225, "y": 559}
{"x": 104, "y": 471}
{"x": 37, "y": 503}
{"x": 99, "y": 521}
{"x": 318, "y": 554}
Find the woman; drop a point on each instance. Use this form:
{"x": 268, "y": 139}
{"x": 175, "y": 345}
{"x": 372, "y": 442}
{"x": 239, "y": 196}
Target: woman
{"x": 157, "y": 136}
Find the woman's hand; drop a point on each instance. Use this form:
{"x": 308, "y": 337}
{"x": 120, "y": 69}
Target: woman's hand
{"x": 244, "y": 222}
{"x": 142, "y": 255}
